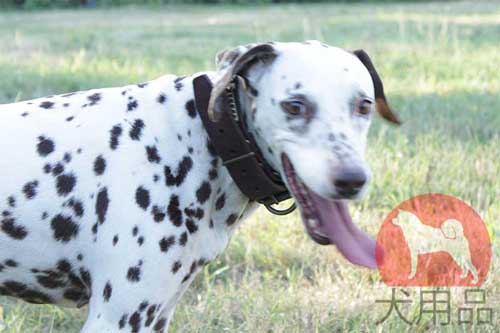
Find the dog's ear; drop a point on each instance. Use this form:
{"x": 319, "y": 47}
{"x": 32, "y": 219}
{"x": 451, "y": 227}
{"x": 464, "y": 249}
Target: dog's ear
{"x": 237, "y": 62}
{"x": 380, "y": 101}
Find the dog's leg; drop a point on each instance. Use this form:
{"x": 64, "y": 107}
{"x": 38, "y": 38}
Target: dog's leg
{"x": 127, "y": 309}
{"x": 100, "y": 325}
{"x": 142, "y": 318}
{"x": 473, "y": 271}
{"x": 465, "y": 269}
{"x": 414, "y": 262}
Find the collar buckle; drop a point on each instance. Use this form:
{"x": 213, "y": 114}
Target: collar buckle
{"x": 232, "y": 142}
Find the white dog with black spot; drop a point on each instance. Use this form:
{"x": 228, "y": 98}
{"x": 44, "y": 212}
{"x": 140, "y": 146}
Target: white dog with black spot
{"x": 425, "y": 239}
{"x": 116, "y": 198}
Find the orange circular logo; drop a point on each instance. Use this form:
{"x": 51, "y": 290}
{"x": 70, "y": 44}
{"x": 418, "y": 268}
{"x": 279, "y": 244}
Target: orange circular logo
{"x": 433, "y": 240}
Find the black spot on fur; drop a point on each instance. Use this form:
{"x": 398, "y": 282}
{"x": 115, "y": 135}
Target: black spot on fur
{"x": 197, "y": 213}
{"x": 142, "y": 197}
{"x": 57, "y": 169}
{"x": 47, "y": 168}
{"x": 132, "y": 105}
{"x": 152, "y": 153}
{"x": 135, "y": 321}
{"x": 178, "y": 83}
{"x": 192, "y": 269}
{"x": 191, "y": 110}
{"x": 183, "y": 239}
{"x": 136, "y": 130}
{"x": 14, "y": 287}
{"x": 74, "y": 294}
{"x": 176, "y": 266}
{"x": 99, "y": 165}
{"x": 123, "y": 321}
{"x": 220, "y": 202}
{"x": 203, "y": 192}
{"x": 115, "y": 240}
{"x": 158, "y": 214}
{"x": 116, "y": 132}
{"x": 10, "y": 263}
{"x": 161, "y": 98}
{"x": 77, "y": 207}
{"x": 174, "y": 212}
{"x": 211, "y": 149}
{"x": 11, "y": 201}
{"x": 165, "y": 243}
{"x": 94, "y": 98}
{"x": 160, "y": 325}
{"x": 102, "y": 204}
{"x": 143, "y": 306}
{"x": 231, "y": 219}
{"x": 20, "y": 290}
{"x": 64, "y": 266}
{"x": 67, "y": 157}
{"x": 64, "y": 228}
{"x": 13, "y": 230}
{"x": 46, "y": 105}
{"x": 65, "y": 184}
{"x": 150, "y": 315}
{"x": 45, "y": 146}
{"x": 212, "y": 174}
{"x": 134, "y": 274}
{"x": 95, "y": 226}
{"x": 29, "y": 189}
{"x": 182, "y": 170}
{"x": 52, "y": 280}
{"x": 106, "y": 293}
{"x": 191, "y": 226}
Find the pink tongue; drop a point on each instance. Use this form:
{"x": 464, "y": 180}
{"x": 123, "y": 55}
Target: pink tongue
{"x": 336, "y": 223}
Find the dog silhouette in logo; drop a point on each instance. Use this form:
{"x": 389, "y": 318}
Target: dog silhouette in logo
{"x": 449, "y": 238}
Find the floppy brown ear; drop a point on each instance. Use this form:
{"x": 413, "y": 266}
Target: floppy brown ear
{"x": 235, "y": 62}
{"x": 380, "y": 101}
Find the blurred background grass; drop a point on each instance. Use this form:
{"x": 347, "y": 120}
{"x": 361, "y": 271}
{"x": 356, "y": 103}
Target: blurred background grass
{"x": 439, "y": 62}
{"x": 37, "y": 4}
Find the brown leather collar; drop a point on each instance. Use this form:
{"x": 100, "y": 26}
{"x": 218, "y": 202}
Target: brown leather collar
{"x": 237, "y": 149}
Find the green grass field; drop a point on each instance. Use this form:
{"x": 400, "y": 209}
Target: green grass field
{"x": 439, "y": 63}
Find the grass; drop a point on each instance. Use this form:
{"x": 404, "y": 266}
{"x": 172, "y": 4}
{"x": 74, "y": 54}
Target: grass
{"x": 439, "y": 63}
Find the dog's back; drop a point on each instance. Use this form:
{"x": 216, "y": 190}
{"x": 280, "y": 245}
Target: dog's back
{"x": 70, "y": 162}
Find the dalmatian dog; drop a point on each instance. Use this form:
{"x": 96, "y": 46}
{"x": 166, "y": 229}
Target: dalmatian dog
{"x": 116, "y": 198}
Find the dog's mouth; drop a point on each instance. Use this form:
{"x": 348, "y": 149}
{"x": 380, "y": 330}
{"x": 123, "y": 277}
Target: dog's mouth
{"x": 328, "y": 221}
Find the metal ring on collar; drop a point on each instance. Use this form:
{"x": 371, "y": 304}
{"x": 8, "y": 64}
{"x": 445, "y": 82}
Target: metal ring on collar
{"x": 281, "y": 212}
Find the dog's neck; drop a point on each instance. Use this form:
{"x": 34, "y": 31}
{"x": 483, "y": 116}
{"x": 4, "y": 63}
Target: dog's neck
{"x": 236, "y": 205}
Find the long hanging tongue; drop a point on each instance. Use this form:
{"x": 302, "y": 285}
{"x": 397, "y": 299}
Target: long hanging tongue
{"x": 336, "y": 223}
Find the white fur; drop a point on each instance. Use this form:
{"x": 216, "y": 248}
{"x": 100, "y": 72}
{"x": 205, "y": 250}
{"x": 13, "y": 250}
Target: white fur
{"x": 331, "y": 76}
{"x": 424, "y": 239}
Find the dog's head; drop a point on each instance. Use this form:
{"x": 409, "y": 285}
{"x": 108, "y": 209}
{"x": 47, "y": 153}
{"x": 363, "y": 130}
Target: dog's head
{"x": 405, "y": 218}
{"x": 309, "y": 107}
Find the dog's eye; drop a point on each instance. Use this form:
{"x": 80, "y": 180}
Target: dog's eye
{"x": 365, "y": 107}
{"x": 293, "y": 107}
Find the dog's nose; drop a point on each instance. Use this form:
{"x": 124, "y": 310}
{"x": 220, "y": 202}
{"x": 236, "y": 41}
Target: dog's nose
{"x": 349, "y": 182}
